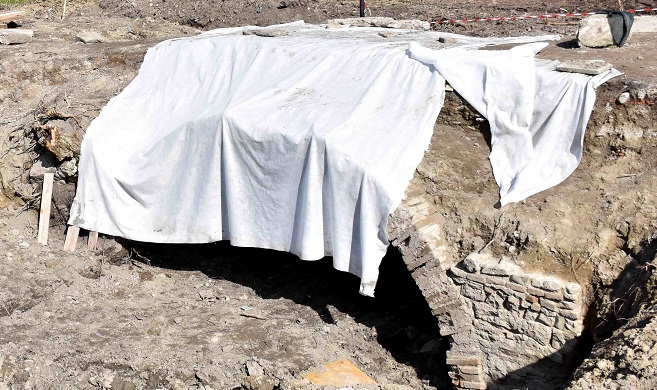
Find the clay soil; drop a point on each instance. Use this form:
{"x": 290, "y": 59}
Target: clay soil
{"x": 159, "y": 317}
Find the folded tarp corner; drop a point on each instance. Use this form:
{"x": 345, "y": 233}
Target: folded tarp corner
{"x": 302, "y": 143}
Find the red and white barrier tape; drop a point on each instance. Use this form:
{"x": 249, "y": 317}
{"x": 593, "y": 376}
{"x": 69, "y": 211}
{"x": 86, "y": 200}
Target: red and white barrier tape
{"x": 544, "y": 16}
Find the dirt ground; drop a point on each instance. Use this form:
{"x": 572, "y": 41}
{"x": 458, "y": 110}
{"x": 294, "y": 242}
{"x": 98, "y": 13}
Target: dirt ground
{"x": 219, "y": 317}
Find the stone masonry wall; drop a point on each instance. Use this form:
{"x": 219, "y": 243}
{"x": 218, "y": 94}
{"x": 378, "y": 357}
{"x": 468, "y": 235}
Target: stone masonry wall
{"x": 505, "y": 326}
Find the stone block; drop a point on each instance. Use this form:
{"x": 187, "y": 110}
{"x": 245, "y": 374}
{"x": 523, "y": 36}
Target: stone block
{"x": 520, "y": 279}
{"x": 504, "y": 267}
{"x": 477, "y": 278}
{"x": 535, "y": 291}
{"x": 512, "y": 303}
{"x": 539, "y": 332}
{"x": 456, "y": 271}
{"x": 568, "y": 305}
{"x": 570, "y": 297}
{"x": 559, "y": 323}
{"x": 530, "y": 298}
{"x": 545, "y": 320}
{"x": 516, "y": 287}
{"x": 590, "y": 67}
{"x": 569, "y": 314}
{"x": 551, "y": 285}
{"x": 470, "y": 291}
{"x": 555, "y": 296}
{"x": 573, "y": 288}
{"x": 558, "y": 339}
{"x": 15, "y": 36}
{"x": 549, "y": 305}
{"x": 535, "y": 307}
{"x": 530, "y": 315}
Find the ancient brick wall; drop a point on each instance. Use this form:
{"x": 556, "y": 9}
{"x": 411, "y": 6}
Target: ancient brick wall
{"x": 505, "y": 325}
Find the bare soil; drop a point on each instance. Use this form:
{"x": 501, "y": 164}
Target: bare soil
{"x": 220, "y": 317}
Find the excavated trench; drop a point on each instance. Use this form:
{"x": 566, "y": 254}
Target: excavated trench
{"x": 523, "y": 292}
{"x": 504, "y": 298}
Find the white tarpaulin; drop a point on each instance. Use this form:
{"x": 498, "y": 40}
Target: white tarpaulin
{"x": 305, "y": 143}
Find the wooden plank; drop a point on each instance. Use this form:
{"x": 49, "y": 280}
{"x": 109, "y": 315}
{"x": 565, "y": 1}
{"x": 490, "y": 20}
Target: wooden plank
{"x": 11, "y": 16}
{"x": 44, "y": 214}
{"x": 92, "y": 242}
{"x": 71, "y": 238}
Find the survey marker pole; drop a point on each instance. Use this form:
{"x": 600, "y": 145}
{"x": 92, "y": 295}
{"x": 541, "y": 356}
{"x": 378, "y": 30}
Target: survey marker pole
{"x": 362, "y": 8}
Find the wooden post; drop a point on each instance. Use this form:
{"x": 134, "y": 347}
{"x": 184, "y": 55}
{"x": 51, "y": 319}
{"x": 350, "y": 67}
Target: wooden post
{"x": 71, "y": 238}
{"x": 44, "y": 213}
{"x": 92, "y": 242}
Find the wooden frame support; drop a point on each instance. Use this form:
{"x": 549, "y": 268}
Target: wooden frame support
{"x": 44, "y": 213}
{"x": 72, "y": 234}
{"x": 92, "y": 241}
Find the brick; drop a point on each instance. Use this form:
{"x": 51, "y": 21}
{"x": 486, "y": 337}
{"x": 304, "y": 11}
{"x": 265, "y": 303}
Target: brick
{"x": 535, "y": 307}
{"x": 470, "y": 377}
{"x": 472, "y": 370}
{"x": 472, "y": 385}
{"x": 464, "y": 361}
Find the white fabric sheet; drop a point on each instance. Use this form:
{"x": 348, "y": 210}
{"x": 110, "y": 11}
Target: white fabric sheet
{"x": 305, "y": 143}
{"x": 537, "y": 116}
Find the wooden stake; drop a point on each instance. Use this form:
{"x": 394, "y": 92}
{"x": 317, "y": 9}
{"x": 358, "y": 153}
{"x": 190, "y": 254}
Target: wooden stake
{"x": 71, "y": 238}
{"x": 92, "y": 242}
{"x": 44, "y": 214}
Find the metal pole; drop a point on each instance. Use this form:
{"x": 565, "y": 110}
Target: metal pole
{"x": 362, "y": 8}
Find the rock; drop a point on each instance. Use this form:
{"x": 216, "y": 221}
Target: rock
{"x": 15, "y": 36}
{"x": 90, "y": 37}
{"x": 594, "y": 32}
{"x": 68, "y": 171}
{"x": 471, "y": 263}
{"x": 253, "y": 368}
{"x": 60, "y": 137}
{"x": 624, "y": 97}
